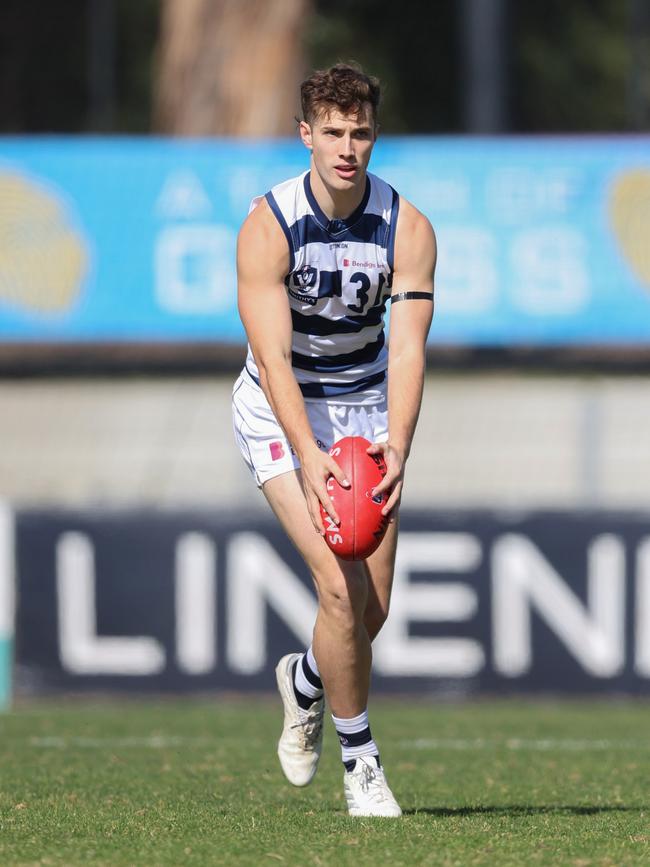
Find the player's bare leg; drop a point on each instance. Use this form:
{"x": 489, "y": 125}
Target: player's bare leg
{"x": 342, "y": 642}
{"x": 381, "y": 567}
{"x": 365, "y": 786}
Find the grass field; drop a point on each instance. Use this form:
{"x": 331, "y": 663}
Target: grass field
{"x": 198, "y": 783}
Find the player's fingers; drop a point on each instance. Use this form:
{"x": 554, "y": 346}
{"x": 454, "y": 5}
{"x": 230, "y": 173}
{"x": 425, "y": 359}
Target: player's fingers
{"x": 386, "y": 484}
{"x": 321, "y": 493}
{"x": 393, "y": 500}
{"x": 392, "y": 473}
{"x": 328, "y": 505}
{"x": 313, "y": 507}
{"x": 338, "y": 473}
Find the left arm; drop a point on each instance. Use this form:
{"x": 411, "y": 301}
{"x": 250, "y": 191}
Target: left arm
{"x": 410, "y": 318}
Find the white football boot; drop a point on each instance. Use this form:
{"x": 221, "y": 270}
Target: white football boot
{"x": 301, "y": 741}
{"x": 367, "y": 792}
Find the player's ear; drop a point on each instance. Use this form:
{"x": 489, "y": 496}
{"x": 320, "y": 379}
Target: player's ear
{"x": 305, "y": 134}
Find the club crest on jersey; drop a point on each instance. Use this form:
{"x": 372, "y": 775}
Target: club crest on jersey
{"x": 304, "y": 279}
{"x": 301, "y": 284}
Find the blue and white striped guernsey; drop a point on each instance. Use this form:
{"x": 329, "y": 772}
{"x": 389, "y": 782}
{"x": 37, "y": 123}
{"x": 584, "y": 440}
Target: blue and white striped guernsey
{"x": 340, "y": 276}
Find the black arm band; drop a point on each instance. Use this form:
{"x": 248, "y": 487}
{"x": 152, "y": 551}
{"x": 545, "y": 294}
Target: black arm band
{"x": 408, "y": 296}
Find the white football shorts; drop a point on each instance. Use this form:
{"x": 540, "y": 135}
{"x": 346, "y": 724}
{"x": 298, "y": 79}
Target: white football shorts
{"x": 263, "y": 444}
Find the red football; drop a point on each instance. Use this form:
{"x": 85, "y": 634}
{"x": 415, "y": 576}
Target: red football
{"x": 362, "y": 524}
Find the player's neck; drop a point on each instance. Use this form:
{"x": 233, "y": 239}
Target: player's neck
{"x": 336, "y": 204}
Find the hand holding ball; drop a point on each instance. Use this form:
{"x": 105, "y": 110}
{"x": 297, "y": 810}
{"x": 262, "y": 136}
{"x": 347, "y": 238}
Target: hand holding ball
{"x": 362, "y": 524}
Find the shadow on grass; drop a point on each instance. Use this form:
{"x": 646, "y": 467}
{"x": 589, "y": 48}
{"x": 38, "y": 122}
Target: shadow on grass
{"x": 524, "y": 810}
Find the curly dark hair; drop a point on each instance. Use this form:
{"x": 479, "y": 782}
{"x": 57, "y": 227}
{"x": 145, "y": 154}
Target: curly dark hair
{"x": 344, "y": 86}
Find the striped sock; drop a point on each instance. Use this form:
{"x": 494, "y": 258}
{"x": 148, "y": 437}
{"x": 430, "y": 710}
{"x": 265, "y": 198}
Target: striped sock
{"x": 356, "y": 739}
{"x": 307, "y": 685}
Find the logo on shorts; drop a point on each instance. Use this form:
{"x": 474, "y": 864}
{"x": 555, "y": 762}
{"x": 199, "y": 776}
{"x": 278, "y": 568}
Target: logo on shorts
{"x": 277, "y": 450}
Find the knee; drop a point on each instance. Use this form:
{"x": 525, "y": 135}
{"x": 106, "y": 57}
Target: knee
{"x": 374, "y": 617}
{"x": 343, "y": 599}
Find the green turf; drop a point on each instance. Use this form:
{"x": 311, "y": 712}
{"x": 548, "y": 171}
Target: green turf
{"x": 197, "y": 783}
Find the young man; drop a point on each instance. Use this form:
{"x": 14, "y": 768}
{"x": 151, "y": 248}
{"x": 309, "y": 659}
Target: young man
{"x": 318, "y": 258}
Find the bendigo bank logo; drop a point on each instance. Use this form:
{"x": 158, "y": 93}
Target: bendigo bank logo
{"x": 353, "y": 263}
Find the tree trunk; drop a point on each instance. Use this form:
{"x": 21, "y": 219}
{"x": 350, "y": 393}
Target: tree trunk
{"x": 230, "y": 67}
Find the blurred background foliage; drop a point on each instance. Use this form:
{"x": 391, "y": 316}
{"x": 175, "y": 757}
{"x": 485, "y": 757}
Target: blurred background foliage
{"x": 412, "y": 48}
{"x": 92, "y": 65}
{"x": 571, "y": 66}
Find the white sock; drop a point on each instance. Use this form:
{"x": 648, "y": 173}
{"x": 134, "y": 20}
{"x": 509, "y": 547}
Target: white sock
{"x": 355, "y": 737}
{"x": 307, "y": 683}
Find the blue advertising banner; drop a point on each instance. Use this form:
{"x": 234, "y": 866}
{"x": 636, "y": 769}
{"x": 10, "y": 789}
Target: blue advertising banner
{"x": 541, "y": 241}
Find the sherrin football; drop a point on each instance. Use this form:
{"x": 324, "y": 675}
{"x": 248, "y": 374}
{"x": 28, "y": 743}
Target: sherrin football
{"x": 362, "y": 524}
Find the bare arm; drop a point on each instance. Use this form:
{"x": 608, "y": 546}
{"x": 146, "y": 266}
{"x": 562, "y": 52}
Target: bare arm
{"x": 262, "y": 263}
{"x": 410, "y": 318}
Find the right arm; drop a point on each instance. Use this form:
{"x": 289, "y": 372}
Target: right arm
{"x": 262, "y": 262}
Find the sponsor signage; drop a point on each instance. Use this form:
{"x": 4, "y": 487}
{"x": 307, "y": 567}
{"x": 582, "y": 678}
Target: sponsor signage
{"x": 191, "y": 601}
{"x": 542, "y": 241}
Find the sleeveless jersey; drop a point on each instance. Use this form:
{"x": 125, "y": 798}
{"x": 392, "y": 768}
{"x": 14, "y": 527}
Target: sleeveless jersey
{"x": 340, "y": 276}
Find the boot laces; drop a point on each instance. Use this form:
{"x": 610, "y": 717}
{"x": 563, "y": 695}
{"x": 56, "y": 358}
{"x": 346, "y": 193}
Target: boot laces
{"x": 368, "y": 777}
{"x": 373, "y": 783}
{"x": 310, "y": 728}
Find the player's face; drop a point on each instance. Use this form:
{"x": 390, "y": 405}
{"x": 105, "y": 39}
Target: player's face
{"x": 341, "y": 145}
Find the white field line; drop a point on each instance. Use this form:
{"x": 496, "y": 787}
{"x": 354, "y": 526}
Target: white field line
{"x": 526, "y": 744}
{"x": 154, "y": 742}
